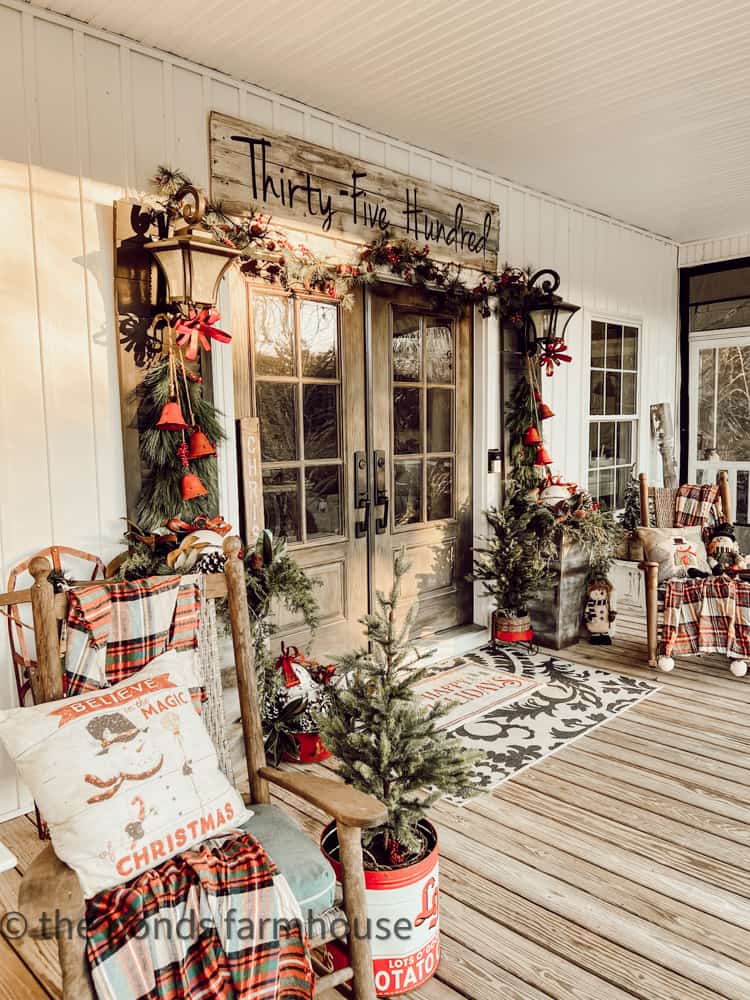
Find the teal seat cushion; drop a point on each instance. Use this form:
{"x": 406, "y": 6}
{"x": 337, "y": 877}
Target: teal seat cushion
{"x": 297, "y": 857}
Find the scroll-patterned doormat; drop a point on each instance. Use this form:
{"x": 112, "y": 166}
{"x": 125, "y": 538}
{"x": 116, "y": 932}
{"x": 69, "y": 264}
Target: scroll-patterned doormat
{"x": 570, "y": 701}
{"x": 473, "y": 688}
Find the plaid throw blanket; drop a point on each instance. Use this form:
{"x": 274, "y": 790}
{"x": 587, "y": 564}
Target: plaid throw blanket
{"x": 216, "y": 921}
{"x": 711, "y": 615}
{"x": 116, "y": 630}
{"x": 697, "y": 505}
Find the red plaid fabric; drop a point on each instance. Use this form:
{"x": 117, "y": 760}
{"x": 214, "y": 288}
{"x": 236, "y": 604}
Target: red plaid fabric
{"x": 114, "y": 630}
{"x": 697, "y": 505}
{"x": 216, "y": 921}
{"x": 711, "y": 615}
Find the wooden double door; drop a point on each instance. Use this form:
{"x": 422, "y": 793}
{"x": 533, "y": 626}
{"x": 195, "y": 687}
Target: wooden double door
{"x": 365, "y": 431}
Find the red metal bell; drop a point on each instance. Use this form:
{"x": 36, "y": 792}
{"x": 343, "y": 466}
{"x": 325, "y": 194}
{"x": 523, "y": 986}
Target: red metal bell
{"x": 542, "y": 458}
{"x": 192, "y": 487}
{"x": 532, "y": 435}
{"x": 171, "y": 418}
{"x": 200, "y": 446}
{"x": 544, "y": 412}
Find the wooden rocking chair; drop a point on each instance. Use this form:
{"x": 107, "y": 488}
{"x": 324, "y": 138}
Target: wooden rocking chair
{"x": 657, "y": 511}
{"x": 50, "y": 887}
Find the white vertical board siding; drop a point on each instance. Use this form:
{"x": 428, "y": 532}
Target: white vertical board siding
{"x": 711, "y": 251}
{"x": 85, "y": 118}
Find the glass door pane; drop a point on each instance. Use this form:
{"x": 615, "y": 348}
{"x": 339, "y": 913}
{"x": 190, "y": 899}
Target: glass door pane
{"x": 422, "y": 417}
{"x": 297, "y": 382}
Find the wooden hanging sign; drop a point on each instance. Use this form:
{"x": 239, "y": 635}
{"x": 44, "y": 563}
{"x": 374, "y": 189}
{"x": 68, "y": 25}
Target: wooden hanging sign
{"x": 254, "y": 168}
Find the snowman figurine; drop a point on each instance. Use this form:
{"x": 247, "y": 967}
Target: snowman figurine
{"x": 600, "y": 611}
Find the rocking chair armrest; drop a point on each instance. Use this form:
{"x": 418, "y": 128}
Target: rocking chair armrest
{"x": 345, "y": 804}
{"x": 49, "y": 894}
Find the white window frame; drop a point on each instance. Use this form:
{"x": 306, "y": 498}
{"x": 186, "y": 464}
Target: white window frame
{"x": 738, "y": 336}
{"x": 634, "y": 418}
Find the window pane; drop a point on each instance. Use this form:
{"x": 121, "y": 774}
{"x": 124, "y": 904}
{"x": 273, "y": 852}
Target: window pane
{"x": 318, "y": 335}
{"x": 628, "y": 392}
{"x": 594, "y": 443}
{"x": 624, "y": 442}
{"x": 613, "y": 389}
{"x": 439, "y": 419}
{"x": 630, "y": 348}
{"x": 407, "y": 492}
{"x": 607, "y": 488}
{"x": 439, "y": 488}
{"x": 281, "y": 503}
{"x": 733, "y": 410}
{"x": 720, "y": 315}
{"x": 407, "y": 348}
{"x": 706, "y": 395}
{"x": 597, "y": 344}
{"x": 319, "y": 412}
{"x": 277, "y": 411}
{"x": 606, "y": 444}
{"x": 597, "y": 392}
{"x": 614, "y": 345}
{"x": 593, "y": 483}
{"x": 323, "y": 500}
{"x": 273, "y": 335}
{"x": 407, "y": 421}
{"x": 439, "y": 351}
{"x": 743, "y": 482}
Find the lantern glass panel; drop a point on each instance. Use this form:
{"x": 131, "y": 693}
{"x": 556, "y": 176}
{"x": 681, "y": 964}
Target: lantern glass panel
{"x": 207, "y": 268}
{"x": 540, "y": 318}
{"x": 565, "y": 312}
{"x": 171, "y": 262}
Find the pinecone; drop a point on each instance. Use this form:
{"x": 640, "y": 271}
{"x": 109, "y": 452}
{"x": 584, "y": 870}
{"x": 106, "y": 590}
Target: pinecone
{"x": 210, "y": 562}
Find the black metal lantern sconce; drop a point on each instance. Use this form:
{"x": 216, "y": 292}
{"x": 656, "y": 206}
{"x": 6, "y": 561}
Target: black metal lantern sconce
{"x": 191, "y": 260}
{"x": 166, "y": 265}
{"x": 547, "y": 314}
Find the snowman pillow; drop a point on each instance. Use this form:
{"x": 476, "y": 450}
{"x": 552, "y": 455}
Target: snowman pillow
{"x": 125, "y": 777}
{"x": 676, "y": 550}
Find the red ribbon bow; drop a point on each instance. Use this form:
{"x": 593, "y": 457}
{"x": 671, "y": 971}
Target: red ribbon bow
{"x": 322, "y": 674}
{"x": 217, "y": 524}
{"x": 197, "y": 329}
{"x": 288, "y": 655}
{"x": 553, "y": 352}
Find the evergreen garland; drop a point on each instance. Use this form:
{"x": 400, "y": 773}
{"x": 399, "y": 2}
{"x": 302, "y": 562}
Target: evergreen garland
{"x": 160, "y": 498}
{"x": 389, "y": 744}
{"x": 271, "y": 575}
{"x": 520, "y": 413}
{"x": 266, "y": 253}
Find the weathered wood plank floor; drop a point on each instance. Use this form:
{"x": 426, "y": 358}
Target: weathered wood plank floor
{"x": 619, "y": 867}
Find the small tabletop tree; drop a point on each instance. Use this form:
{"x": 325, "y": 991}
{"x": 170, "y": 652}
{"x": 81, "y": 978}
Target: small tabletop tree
{"x": 630, "y": 518}
{"x": 388, "y": 743}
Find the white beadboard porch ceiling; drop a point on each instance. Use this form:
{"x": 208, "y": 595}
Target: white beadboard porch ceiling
{"x": 635, "y": 108}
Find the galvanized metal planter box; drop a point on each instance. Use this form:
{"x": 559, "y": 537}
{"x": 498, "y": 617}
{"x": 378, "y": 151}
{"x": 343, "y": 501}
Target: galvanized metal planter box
{"x": 556, "y": 614}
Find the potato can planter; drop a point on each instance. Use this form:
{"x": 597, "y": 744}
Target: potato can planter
{"x": 311, "y": 749}
{"x": 406, "y": 955}
{"x": 511, "y": 627}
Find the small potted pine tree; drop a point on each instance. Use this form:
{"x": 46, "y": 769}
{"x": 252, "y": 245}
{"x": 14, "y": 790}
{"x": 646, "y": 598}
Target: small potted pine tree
{"x": 390, "y": 745}
{"x": 513, "y": 566}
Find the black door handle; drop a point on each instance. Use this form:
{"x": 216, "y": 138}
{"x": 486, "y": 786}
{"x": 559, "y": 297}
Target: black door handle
{"x": 381, "y": 493}
{"x": 361, "y": 495}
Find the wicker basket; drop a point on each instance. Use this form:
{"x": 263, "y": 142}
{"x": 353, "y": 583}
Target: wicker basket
{"x": 511, "y": 627}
